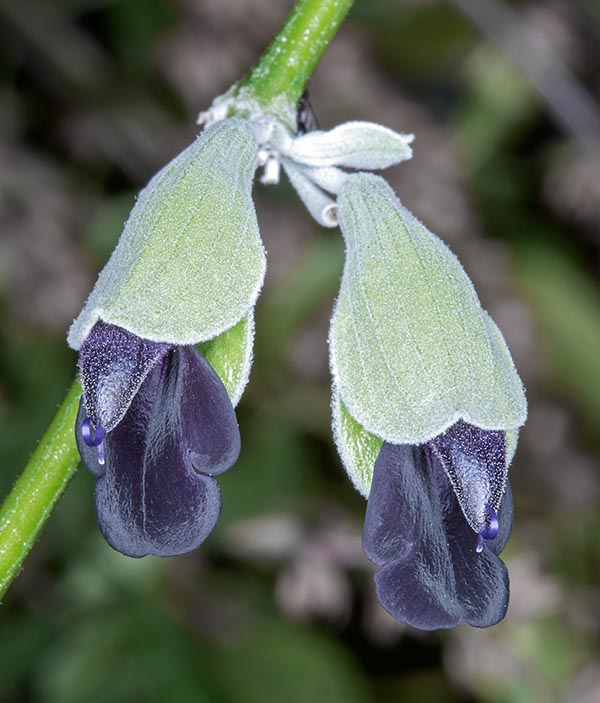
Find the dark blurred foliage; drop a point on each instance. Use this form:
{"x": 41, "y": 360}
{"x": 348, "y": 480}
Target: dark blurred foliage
{"x": 278, "y": 605}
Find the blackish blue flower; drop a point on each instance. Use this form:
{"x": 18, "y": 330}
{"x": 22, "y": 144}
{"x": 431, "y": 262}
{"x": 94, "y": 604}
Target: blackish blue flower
{"x": 427, "y": 404}
{"x": 155, "y": 424}
{"x": 437, "y": 517}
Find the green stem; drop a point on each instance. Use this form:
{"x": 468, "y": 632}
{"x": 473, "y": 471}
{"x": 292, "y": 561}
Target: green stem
{"x": 36, "y": 492}
{"x": 279, "y": 77}
{"x": 285, "y": 67}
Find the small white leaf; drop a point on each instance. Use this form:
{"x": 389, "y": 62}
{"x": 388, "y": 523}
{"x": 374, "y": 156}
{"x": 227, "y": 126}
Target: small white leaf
{"x": 362, "y": 145}
{"x": 330, "y": 179}
{"x": 320, "y": 206}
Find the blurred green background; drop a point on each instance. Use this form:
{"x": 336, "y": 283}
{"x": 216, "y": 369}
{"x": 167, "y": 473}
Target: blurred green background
{"x": 278, "y": 605}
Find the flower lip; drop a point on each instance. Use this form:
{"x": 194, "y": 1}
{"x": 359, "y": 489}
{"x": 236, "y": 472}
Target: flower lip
{"x": 155, "y": 493}
{"x": 431, "y": 577}
{"x": 475, "y": 462}
{"x": 113, "y": 364}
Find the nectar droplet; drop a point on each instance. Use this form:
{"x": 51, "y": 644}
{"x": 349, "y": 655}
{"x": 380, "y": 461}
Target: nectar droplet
{"x": 489, "y": 529}
{"x": 92, "y": 432}
{"x": 93, "y": 435}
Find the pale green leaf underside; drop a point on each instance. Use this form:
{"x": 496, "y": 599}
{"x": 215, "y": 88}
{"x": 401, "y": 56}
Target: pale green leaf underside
{"x": 358, "y": 448}
{"x": 190, "y": 262}
{"x": 412, "y": 351}
{"x": 230, "y": 355}
{"x": 512, "y": 439}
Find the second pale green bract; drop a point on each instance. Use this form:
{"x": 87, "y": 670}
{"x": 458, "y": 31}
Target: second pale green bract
{"x": 358, "y": 448}
{"x": 412, "y": 351}
{"x": 230, "y": 355}
{"x": 190, "y": 262}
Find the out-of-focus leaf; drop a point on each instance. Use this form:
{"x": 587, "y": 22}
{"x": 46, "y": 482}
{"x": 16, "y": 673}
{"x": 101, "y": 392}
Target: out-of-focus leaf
{"x": 132, "y": 651}
{"x": 499, "y": 104}
{"x": 277, "y": 662}
{"x": 417, "y": 40}
{"x": 28, "y": 394}
{"x": 566, "y": 304}
{"x": 275, "y": 471}
{"x": 310, "y": 286}
{"x": 105, "y": 226}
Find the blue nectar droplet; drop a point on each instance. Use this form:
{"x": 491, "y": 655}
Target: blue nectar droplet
{"x": 489, "y": 529}
{"x": 93, "y": 435}
{"x": 101, "y": 453}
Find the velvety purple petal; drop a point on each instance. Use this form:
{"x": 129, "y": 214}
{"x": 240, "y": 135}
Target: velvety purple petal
{"x": 154, "y": 496}
{"x": 206, "y": 416}
{"x": 431, "y": 575}
{"x": 113, "y": 364}
{"x": 475, "y": 461}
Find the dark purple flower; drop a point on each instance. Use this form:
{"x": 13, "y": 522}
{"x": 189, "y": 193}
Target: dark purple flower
{"x": 155, "y": 424}
{"x": 437, "y": 517}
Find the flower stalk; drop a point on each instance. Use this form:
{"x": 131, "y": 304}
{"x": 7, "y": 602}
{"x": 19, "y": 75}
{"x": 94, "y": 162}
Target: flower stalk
{"x": 280, "y": 76}
{"x": 38, "y": 489}
{"x": 287, "y": 64}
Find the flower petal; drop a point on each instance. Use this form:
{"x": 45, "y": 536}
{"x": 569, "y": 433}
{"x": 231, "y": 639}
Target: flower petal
{"x": 432, "y": 577}
{"x": 113, "y": 364}
{"x": 152, "y": 498}
{"x": 475, "y": 462}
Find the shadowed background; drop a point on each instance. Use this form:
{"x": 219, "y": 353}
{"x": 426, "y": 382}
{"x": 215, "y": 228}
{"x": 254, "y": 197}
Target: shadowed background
{"x": 278, "y": 605}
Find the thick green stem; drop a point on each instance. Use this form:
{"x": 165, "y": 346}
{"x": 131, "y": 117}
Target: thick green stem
{"x": 279, "y": 77}
{"x": 285, "y": 67}
{"x": 36, "y": 492}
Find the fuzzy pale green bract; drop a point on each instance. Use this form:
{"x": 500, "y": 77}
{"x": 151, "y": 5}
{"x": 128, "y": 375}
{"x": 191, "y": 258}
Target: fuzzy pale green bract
{"x": 358, "y": 448}
{"x": 230, "y": 355}
{"x": 412, "y": 351}
{"x": 190, "y": 262}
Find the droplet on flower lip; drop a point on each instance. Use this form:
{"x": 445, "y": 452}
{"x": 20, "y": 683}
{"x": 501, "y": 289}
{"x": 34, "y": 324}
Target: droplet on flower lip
{"x": 489, "y": 529}
{"x": 93, "y": 435}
